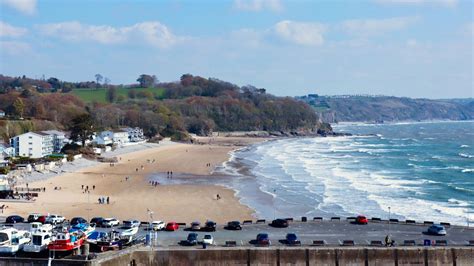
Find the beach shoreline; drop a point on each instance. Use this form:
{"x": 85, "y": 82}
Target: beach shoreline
{"x": 129, "y": 190}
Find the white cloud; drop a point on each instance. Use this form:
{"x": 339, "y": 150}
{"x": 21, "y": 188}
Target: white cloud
{"x": 27, "y": 7}
{"x": 14, "y": 47}
{"x": 447, "y": 3}
{"x": 7, "y": 30}
{"x": 153, "y": 33}
{"x": 302, "y": 33}
{"x": 258, "y": 5}
{"x": 368, "y": 27}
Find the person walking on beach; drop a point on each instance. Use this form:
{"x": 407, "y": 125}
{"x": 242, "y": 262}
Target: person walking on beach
{"x": 82, "y": 187}
{"x": 93, "y": 187}
{"x": 108, "y": 200}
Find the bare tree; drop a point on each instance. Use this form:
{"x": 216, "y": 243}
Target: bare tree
{"x": 98, "y": 78}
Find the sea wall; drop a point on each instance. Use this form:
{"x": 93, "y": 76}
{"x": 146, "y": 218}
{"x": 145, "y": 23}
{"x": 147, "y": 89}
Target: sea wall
{"x": 459, "y": 256}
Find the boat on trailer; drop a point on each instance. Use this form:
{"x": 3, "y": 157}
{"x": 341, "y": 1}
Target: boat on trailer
{"x": 67, "y": 241}
{"x": 13, "y": 240}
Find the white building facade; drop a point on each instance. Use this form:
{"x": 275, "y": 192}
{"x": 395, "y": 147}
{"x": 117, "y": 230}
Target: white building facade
{"x": 32, "y": 144}
{"x": 118, "y": 137}
{"x": 135, "y": 134}
{"x": 59, "y": 139}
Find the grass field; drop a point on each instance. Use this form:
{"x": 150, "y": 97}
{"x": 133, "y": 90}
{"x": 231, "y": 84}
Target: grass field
{"x": 98, "y": 95}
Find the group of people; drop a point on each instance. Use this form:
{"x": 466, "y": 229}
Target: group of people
{"x": 169, "y": 174}
{"x": 86, "y": 189}
{"x": 103, "y": 200}
{"x": 154, "y": 183}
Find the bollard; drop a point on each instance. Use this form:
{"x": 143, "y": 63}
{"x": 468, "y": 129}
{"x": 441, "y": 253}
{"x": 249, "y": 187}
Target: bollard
{"x": 85, "y": 249}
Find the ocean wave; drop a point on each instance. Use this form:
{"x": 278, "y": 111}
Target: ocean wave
{"x": 464, "y": 155}
{"x": 465, "y": 146}
{"x": 467, "y": 170}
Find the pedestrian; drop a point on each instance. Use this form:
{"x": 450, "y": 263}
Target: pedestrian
{"x": 93, "y": 187}
{"x": 82, "y": 186}
{"x": 136, "y": 170}
{"x": 99, "y": 201}
{"x": 108, "y": 200}
{"x": 87, "y": 188}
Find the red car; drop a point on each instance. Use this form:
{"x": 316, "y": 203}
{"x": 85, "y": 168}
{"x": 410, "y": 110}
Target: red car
{"x": 362, "y": 220}
{"x": 172, "y": 226}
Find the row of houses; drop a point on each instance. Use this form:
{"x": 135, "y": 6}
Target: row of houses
{"x": 43, "y": 143}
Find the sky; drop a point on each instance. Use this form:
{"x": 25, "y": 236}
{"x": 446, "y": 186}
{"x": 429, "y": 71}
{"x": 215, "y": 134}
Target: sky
{"x": 413, "y": 48}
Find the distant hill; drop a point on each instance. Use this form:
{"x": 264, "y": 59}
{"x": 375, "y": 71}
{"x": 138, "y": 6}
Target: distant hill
{"x": 381, "y": 109}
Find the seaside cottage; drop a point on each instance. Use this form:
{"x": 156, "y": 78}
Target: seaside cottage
{"x": 32, "y": 144}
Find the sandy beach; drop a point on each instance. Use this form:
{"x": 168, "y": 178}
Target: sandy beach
{"x": 131, "y": 198}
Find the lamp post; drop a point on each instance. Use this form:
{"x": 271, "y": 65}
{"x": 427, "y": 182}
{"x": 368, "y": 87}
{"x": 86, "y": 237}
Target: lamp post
{"x": 389, "y": 217}
{"x": 274, "y": 205}
{"x": 150, "y": 213}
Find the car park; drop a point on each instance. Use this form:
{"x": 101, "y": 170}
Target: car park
{"x": 437, "y": 229}
{"x": 157, "y": 225}
{"x": 131, "y": 223}
{"x": 195, "y": 226}
{"x": 292, "y": 239}
{"x": 13, "y": 219}
{"x": 208, "y": 240}
{"x": 280, "y": 223}
{"x": 110, "y": 222}
{"x": 172, "y": 226}
{"x": 97, "y": 221}
{"x": 234, "y": 225}
{"x": 54, "y": 219}
{"x": 263, "y": 239}
{"x": 192, "y": 239}
{"x": 361, "y": 219}
{"x": 210, "y": 226}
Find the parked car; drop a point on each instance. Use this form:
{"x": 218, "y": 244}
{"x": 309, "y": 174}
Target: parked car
{"x": 131, "y": 223}
{"x": 110, "y": 222}
{"x": 97, "y": 221}
{"x": 234, "y": 225}
{"x": 437, "y": 229}
{"x": 195, "y": 226}
{"x": 263, "y": 239}
{"x": 13, "y": 219}
{"x": 192, "y": 239}
{"x": 33, "y": 217}
{"x": 361, "y": 219}
{"x": 208, "y": 239}
{"x": 78, "y": 220}
{"x": 210, "y": 226}
{"x": 280, "y": 223}
{"x": 292, "y": 239}
{"x": 54, "y": 219}
{"x": 172, "y": 226}
{"x": 157, "y": 225}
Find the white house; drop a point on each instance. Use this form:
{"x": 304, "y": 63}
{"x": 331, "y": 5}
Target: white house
{"x": 102, "y": 140}
{"x": 134, "y": 134}
{"x": 2, "y": 113}
{"x": 119, "y": 136}
{"x": 32, "y": 144}
{"x": 59, "y": 139}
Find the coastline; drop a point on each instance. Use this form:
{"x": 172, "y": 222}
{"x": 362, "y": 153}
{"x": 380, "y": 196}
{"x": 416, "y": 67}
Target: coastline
{"x": 131, "y": 197}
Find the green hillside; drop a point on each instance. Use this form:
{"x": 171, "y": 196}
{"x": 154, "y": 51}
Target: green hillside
{"x": 99, "y": 95}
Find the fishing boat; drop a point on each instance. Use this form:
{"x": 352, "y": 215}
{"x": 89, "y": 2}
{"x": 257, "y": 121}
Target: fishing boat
{"x": 13, "y": 240}
{"x": 40, "y": 240}
{"x": 127, "y": 235}
{"x": 67, "y": 241}
{"x": 83, "y": 227}
{"x": 107, "y": 241}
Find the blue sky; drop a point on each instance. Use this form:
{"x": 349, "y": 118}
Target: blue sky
{"x": 415, "y": 48}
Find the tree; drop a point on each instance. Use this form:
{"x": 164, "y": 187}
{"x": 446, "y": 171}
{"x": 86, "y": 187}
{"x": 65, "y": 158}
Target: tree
{"x": 106, "y": 81}
{"x": 147, "y": 81}
{"x": 111, "y": 94}
{"x": 98, "y": 78}
{"x": 81, "y": 128}
{"x": 54, "y": 82}
{"x": 18, "y": 107}
{"x": 186, "y": 80}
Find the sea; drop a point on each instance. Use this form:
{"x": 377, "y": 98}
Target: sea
{"x": 421, "y": 171}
